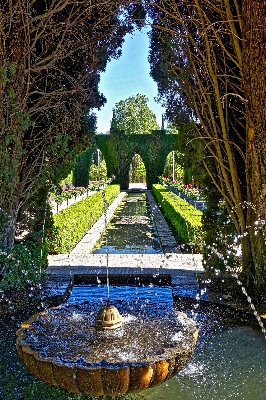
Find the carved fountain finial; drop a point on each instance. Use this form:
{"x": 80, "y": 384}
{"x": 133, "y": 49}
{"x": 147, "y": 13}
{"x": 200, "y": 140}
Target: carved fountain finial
{"x": 108, "y": 318}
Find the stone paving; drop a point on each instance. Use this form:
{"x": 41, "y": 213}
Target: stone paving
{"x": 167, "y": 239}
{"x": 183, "y": 268}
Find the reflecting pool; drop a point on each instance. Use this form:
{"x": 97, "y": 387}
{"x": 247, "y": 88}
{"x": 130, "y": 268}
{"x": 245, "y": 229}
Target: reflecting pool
{"x": 131, "y": 229}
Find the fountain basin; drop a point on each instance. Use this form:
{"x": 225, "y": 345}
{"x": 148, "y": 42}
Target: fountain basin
{"x": 62, "y": 347}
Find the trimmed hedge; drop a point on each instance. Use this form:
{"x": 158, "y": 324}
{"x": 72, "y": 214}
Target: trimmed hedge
{"x": 185, "y": 218}
{"x": 118, "y": 150}
{"x": 71, "y": 224}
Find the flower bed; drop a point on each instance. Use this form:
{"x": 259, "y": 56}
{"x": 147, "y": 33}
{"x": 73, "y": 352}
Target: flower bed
{"x": 185, "y": 218}
{"x": 68, "y": 193}
{"x": 71, "y": 224}
{"x": 187, "y": 190}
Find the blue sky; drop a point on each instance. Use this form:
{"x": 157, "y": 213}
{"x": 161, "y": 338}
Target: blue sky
{"x": 128, "y": 76}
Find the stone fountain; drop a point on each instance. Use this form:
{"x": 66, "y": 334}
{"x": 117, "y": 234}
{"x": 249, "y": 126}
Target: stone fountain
{"x": 70, "y": 348}
{"x": 81, "y": 349}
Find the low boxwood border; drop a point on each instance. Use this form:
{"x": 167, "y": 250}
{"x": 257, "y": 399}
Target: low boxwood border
{"x": 185, "y": 219}
{"x": 71, "y": 224}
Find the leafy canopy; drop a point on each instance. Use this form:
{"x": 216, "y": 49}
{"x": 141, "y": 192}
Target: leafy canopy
{"x": 133, "y": 116}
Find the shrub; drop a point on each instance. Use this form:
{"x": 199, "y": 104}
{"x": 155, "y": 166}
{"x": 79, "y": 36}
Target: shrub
{"x": 185, "y": 218}
{"x": 71, "y": 224}
{"x": 23, "y": 265}
{"x": 94, "y": 171}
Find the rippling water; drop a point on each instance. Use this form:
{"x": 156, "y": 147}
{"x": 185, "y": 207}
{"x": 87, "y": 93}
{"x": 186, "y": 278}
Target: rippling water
{"x": 229, "y": 361}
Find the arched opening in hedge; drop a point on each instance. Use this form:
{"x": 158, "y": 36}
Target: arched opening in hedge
{"x": 98, "y": 169}
{"x": 173, "y": 168}
{"x": 137, "y": 170}
{"x": 118, "y": 150}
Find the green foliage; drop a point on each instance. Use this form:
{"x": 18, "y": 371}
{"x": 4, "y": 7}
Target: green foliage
{"x": 68, "y": 179}
{"x": 118, "y": 150}
{"x": 137, "y": 171}
{"x": 178, "y": 169}
{"x": 169, "y": 68}
{"x": 220, "y": 248}
{"x": 185, "y": 218}
{"x": 71, "y": 224}
{"x": 187, "y": 175}
{"x": 81, "y": 173}
{"x": 14, "y": 121}
{"x": 133, "y": 116}
{"x": 94, "y": 171}
{"x": 23, "y": 265}
{"x": 7, "y": 71}
{"x": 46, "y": 117}
{"x": 191, "y": 152}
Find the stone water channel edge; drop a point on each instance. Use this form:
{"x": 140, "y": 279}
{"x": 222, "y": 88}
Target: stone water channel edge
{"x": 183, "y": 268}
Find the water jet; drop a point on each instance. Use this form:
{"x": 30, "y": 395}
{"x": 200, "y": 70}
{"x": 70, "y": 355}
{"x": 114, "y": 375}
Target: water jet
{"x": 62, "y": 347}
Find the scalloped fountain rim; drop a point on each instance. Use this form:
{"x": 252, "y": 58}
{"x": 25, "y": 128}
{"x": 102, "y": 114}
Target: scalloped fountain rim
{"x": 104, "y": 377}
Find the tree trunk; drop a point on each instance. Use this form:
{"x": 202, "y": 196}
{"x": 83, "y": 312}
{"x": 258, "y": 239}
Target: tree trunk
{"x": 254, "y": 83}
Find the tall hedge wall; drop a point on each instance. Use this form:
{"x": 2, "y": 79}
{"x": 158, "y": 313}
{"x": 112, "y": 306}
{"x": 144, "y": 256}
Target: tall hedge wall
{"x": 118, "y": 150}
{"x": 71, "y": 224}
{"x": 185, "y": 218}
{"x": 82, "y": 168}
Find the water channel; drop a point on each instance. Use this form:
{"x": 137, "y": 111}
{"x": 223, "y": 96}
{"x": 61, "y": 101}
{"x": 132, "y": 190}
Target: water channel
{"x": 229, "y": 361}
{"x": 131, "y": 229}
